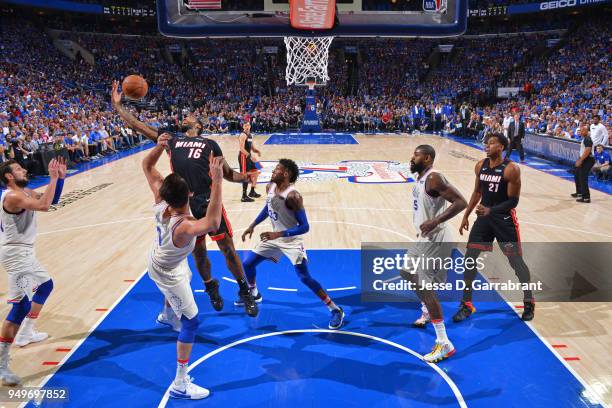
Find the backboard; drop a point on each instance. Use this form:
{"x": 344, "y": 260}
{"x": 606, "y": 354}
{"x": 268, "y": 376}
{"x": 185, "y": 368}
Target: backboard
{"x": 271, "y": 18}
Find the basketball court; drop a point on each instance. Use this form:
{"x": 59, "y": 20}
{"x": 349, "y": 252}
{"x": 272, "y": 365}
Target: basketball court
{"x": 107, "y": 349}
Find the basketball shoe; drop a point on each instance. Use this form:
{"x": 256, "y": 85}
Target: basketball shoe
{"x": 257, "y": 299}
{"x": 6, "y": 375}
{"x": 440, "y": 351}
{"x": 185, "y": 389}
{"x": 168, "y": 318}
{"x": 25, "y": 337}
{"x": 465, "y": 310}
{"x": 337, "y": 318}
{"x": 528, "y": 311}
{"x": 212, "y": 288}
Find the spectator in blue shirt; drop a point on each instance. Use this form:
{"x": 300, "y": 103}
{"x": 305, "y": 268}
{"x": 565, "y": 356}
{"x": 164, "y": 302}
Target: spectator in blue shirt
{"x": 602, "y": 163}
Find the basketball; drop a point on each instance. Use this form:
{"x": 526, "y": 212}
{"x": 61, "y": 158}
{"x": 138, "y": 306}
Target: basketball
{"x": 134, "y": 87}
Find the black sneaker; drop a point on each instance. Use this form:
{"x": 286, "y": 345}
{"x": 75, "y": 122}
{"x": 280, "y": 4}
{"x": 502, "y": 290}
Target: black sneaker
{"x": 254, "y": 194}
{"x": 250, "y": 305}
{"x": 576, "y": 195}
{"x": 212, "y": 288}
{"x": 246, "y": 199}
{"x": 583, "y": 200}
{"x": 463, "y": 313}
{"x": 528, "y": 311}
{"x": 240, "y": 302}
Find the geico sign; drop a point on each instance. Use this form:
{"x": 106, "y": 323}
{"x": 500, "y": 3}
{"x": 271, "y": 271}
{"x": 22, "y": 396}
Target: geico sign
{"x": 549, "y": 5}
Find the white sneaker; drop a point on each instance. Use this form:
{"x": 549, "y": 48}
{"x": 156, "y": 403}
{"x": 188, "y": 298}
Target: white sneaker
{"x": 7, "y": 376}
{"x": 188, "y": 390}
{"x": 23, "y": 339}
{"x": 171, "y": 321}
{"x": 440, "y": 351}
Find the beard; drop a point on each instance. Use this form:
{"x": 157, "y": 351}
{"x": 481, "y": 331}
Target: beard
{"x": 22, "y": 183}
{"x": 416, "y": 168}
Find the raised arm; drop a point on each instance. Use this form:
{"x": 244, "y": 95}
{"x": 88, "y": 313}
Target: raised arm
{"x": 15, "y": 201}
{"x": 154, "y": 178}
{"x": 148, "y": 131}
{"x": 192, "y": 228}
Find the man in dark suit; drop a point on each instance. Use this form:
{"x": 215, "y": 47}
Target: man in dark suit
{"x": 516, "y": 133}
{"x": 464, "y": 116}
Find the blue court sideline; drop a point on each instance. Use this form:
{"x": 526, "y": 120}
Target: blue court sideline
{"x": 129, "y": 360}
{"x": 311, "y": 138}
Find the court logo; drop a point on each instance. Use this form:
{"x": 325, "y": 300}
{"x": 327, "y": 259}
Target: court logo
{"x": 363, "y": 172}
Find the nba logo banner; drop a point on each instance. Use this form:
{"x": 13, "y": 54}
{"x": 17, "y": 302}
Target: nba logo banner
{"x": 432, "y": 6}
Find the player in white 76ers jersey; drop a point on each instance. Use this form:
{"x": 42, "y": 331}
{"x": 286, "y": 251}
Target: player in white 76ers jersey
{"x": 177, "y": 231}
{"x": 29, "y": 284}
{"x": 431, "y": 195}
{"x": 285, "y": 208}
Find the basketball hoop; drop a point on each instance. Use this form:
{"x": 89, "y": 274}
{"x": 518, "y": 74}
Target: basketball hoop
{"x": 307, "y": 58}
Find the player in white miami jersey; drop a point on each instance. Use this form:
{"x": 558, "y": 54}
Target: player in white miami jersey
{"x": 431, "y": 195}
{"x": 177, "y": 231}
{"x": 29, "y": 284}
{"x": 285, "y": 208}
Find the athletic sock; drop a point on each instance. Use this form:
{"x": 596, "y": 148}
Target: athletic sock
{"x": 244, "y": 189}
{"x": 252, "y": 189}
{"x": 5, "y": 345}
{"x": 330, "y": 304}
{"x": 254, "y": 290}
{"x": 27, "y": 325}
{"x": 438, "y": 325}
{"x": 181, "y": 371}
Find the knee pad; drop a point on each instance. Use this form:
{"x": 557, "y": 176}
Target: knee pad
{"x": 189, "y": 329}
{"x": 19, "y": 311}
{"x": 43, "y": 292}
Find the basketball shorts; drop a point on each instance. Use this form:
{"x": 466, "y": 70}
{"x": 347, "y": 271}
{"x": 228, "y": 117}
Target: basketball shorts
{"x": 502, "y": 227}
{"x": 199, "y": 205}
{"x": 246, "y": 164}
{"x": 175, "y": 285}
{"x": 24, "y": 271}
{"x": 291, "y": 247}
{"x": 428, "y": 256}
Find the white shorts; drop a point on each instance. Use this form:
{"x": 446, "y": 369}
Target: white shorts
{"x": 24, "y": 271}
{"x": 290, "y": 247}
{"x": 175, "y": 285}
{"x": 432, "y": 252}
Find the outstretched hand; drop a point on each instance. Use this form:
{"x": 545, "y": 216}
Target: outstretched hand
{"x": 163, "y": 140}
{"x": 115, "y": 94}
{"x": 215, "y": 165}
{"x": 53, "y": 168}
{"x": 62, "y": 167}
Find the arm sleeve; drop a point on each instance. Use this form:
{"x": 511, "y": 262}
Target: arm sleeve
{"x": 302, "y": 227}
{"x": 262, "y": 215}
{"x": 506, "y": 206}
{"x": 58, "y": 191}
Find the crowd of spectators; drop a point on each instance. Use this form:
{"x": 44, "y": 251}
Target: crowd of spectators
{"x": 49, "y": 101}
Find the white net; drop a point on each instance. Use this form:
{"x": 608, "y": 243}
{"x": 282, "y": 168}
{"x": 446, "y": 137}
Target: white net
{"x": 307, "y": 59}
